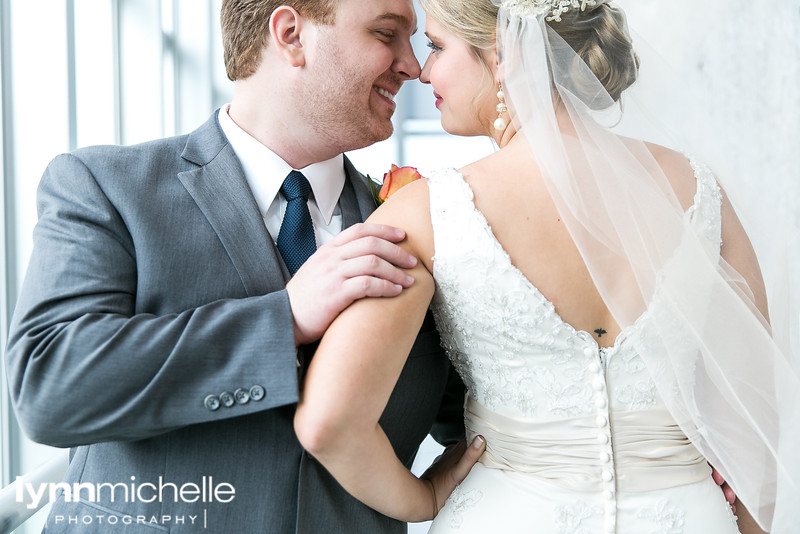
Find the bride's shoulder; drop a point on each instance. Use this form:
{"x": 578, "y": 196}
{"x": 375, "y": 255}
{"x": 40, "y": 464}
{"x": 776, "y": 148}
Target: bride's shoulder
{"x": 407, "y": 206}
{"x": 412, "y": 196}
{"x": 502, "y": 172}
{"x": 664, "y": 155}
{"x": 409, "y": 209}
{"x": 679, "y": 172}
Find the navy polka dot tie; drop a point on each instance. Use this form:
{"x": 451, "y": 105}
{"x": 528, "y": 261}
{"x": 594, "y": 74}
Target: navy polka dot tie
{"x": 296, "y": 240}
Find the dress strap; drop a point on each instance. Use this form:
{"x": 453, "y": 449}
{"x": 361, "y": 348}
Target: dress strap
{"x": 453, "y": 213}
{"x": 706, "y": 212}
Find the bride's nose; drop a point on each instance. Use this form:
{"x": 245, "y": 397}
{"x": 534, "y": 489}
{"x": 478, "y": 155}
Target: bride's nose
{"x": 425, "y": 75}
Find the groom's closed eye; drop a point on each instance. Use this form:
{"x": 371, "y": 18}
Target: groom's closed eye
{"x": 386, "y": 35}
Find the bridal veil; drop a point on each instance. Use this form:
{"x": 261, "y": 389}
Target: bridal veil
{"x": 729, "y": 379}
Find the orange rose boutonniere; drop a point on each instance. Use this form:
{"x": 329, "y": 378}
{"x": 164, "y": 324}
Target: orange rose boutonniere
{"x": 393, "y": 180}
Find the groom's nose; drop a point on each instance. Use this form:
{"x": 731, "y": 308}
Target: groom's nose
{"x": 406, "y": 64}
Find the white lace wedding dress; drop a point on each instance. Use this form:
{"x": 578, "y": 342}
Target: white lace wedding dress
{"x": 578, "y": 439}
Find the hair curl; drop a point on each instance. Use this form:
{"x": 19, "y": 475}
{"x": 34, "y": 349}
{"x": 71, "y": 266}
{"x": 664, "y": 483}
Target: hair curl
{"x": 600, "y": 38}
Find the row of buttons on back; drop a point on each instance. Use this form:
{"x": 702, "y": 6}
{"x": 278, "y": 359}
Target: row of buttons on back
{"x": 597, "y": 368}
{"x": 240, "y": 396}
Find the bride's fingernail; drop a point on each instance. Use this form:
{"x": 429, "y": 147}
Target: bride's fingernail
{"x": 478, "y": 442}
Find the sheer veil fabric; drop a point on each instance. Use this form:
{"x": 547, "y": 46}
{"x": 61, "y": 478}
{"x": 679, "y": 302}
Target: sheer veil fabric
{"x": 726, "y": 377}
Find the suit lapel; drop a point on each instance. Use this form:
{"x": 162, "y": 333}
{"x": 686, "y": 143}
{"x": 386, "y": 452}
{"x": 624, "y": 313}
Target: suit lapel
{"x": 356, "y": 201}
{"x": 220, "y": 190}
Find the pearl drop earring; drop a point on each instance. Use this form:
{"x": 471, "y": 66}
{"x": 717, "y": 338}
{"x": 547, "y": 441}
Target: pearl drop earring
{"x": 500, "y": 123}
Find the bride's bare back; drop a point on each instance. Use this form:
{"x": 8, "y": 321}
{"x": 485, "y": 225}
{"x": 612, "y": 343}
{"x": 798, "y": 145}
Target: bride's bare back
{"x": 510, "y": 193}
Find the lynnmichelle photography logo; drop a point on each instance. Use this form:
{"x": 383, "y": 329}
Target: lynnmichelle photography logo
{"x": 206, "y": 492}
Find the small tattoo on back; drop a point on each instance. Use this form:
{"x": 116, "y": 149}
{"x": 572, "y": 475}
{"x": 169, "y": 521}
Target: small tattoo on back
{"x": 600, "y": 332}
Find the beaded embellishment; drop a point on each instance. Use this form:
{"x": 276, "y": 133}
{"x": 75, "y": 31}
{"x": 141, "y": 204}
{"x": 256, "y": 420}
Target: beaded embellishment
{"x": 534, "y": 8}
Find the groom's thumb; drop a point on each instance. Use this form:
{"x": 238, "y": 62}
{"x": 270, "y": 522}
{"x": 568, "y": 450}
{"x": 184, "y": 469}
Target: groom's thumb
{"x": 468, "y": 459}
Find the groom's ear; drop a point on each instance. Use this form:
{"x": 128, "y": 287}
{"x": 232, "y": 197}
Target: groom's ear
{"x": 285, "y": 28}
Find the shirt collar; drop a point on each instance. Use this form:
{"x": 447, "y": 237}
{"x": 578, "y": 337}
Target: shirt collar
{"x": 265, "y": 170}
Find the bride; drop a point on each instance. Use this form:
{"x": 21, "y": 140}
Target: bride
{"x": 595, "y": 291}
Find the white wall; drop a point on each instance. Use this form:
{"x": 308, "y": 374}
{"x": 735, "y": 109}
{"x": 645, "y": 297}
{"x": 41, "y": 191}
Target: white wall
{"x": 742, "y": 60}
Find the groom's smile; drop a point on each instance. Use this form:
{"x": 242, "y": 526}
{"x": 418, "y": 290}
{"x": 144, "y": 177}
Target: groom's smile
{"x": 360, "y": 63}
{"x": 387, "y": 95}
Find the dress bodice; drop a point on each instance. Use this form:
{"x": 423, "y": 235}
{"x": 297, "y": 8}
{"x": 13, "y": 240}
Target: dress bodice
{"x": 514, "y": 352}
{"x": 550, "y": 401}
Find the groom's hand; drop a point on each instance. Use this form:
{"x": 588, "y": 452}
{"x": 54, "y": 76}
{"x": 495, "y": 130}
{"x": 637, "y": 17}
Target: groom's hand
{"x": 362, "y": 261}
{"x": 451, "y": 468}
{"x": 730, "y": 496}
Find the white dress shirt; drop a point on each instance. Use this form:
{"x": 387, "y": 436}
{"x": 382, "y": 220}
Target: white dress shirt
{"x": 265, "y": 172}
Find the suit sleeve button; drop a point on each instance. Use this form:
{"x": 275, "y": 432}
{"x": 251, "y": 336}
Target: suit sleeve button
{"x": 242, "y": 396}
{"x": 212, "y": 402}
{"x": 257, "y": 393}
{"x": 226, "y": 398}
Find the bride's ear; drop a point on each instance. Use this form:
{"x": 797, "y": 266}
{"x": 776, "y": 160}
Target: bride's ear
{"x": 494, "y": 59}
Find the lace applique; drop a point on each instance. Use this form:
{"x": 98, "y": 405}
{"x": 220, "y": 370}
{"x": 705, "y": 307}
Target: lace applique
{"x": 638, "y": 396}
{"x": 569, "y": 518}
{"x": 663, "y": 338}
{"x": 459, "y": 502}
{"x": 513, "y": 351}
{"x": 503, "y": 336}
{"x": 630, "y": 362}
{"x": 706, "y": 213}
{"x": 565, "y": 398}
{"x": 668, "y": 519}
{"x": 518, "y": 358}
{"x": 731, "y": 516}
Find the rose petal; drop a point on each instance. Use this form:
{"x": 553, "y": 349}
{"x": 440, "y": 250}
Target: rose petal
{"x": 396, "y": 178}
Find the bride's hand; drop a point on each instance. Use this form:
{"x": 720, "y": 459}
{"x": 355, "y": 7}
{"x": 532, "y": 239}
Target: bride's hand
{"x": 449, "y": 469}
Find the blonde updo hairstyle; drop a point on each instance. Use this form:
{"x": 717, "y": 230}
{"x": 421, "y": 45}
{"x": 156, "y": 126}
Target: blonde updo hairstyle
{"x": 599, "y": 35}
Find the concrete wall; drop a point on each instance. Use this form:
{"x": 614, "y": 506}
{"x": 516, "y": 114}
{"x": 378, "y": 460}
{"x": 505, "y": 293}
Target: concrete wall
{"x": 744, "y": 57}
{"x": 741, "y": 58}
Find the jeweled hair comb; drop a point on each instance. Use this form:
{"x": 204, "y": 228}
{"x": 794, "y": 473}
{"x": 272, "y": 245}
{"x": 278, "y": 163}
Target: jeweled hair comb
{"x": 528, "y": 8}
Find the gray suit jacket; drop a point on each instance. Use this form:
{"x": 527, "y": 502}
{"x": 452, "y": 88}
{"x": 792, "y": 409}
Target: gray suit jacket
{"x": 154, "y": 335}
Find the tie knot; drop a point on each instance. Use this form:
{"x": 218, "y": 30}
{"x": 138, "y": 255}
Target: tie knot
{"x": 296, "y": 186}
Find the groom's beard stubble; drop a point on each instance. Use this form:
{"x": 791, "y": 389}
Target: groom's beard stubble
{"x": 340, "y": 108}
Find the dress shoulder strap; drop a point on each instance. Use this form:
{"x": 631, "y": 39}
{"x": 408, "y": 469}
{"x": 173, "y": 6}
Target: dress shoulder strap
{"x": 706, "y": 212}
{"x": 453, "y": 213}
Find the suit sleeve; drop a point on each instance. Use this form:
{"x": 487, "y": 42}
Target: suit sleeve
{"x": 448, "y": 428}
{"x": 84, "y": 367}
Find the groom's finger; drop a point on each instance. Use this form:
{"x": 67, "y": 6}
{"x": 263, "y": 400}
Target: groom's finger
{"x": 367, "y": 239}
{"x": 374, "y": 267}
{"x": 365, "y": 230}
{"x": 468, "y": 459}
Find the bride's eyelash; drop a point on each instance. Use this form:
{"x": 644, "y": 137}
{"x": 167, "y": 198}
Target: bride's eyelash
{"x": 433, "y": 47}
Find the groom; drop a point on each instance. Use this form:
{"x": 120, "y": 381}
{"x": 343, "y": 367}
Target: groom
{"x": 161, "y": 332}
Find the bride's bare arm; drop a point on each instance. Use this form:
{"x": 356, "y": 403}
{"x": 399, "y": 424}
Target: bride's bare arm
{"x": 738, "y": 252}
{"x": 352, "y": 376}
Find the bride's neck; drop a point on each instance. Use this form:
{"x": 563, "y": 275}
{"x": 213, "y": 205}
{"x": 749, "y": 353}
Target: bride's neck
{"x": 565, "y": 126}
{"x": 504, "y": 138}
